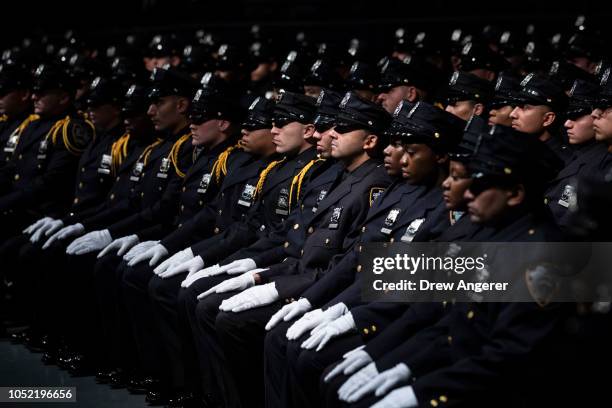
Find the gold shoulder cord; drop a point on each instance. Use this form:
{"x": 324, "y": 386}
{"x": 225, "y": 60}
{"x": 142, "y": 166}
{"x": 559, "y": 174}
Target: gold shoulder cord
{"x": 22, "y": 126}
{"x": 219, "y": 168}
{"x": 63, "y": 125}
{"x": 119, "y": 150}
{"x": 3, "y": 118}
{"x": 299, "y": 178}
{"x": 174, "y": 152}
{"x": 148, "y": 150}
{"x": 264, "y": 174}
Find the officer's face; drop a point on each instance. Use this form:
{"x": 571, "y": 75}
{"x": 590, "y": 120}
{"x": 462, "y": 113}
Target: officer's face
{"x": 324, "y": 141}
{"x": 47, "y": 102}
{"x": 529, "y": 118}
{"x": 455, "y": 186}
{"x": 258, "y": 141}
{"x": 390, "y": 99}
{"x": 288, "y": 138}
{"x": 164, "y": 112}
{"x": 462, "y": 109}
{"x": 13, "y": 102}
{"x": 312, "y": 90}
{"x": 347, "y": 145}
{"x": 501, "y": 116}
{"x": 262, "y": 71}
{"x": 602, "y": 124}
{"x": 205, "y": 133}
{"x": 419, "y": 163}
{"x": 489, "y": 204}
{"x": 104, "y": 116}
{"x": 393, "y": 158}
{"x": 139, "y": 126}
{"x": 580, "y": 130}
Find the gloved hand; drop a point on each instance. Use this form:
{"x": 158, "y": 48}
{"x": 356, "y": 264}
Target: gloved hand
{"x": 202, "y": 273}
{"x": 324, "y": 332}
{"x": 312, "y": 319}
{"x": 153, "y": 255}
{"x": 46, "y": 229}
{"x": 66, "y": 232}
{"x": 139, "y": 249}
{"x": 382, "y": 383}
{"x": 176, "y": 259}
{"x": 256, "y": 296}
{"x": 353, "y": 361}
{"x": 242, "y": 282}
{"x": 193, "y": 265}
{"x": 239, "y": 266}
{"x": 288, "y": 312}
{"x": 402, "y": 397}
{"x": 33, "y": 227}
{"x": 120, "y": 245}
{"x": 90, "y": 242}
{"x": 356, "y": 381}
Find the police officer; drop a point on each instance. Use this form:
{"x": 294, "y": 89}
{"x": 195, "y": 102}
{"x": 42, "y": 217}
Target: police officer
{"x": 602, "y": 121}
{"x": 46, "y": 155}
{"x": 504, "y": 99}
{"x": 540, "y": 112}
{"x": 468, "y": 95}
{"x": 15, "y": 107}
{"x": 412, "y": 210}
{"x": 479, "y": 59}
{"x": 499, "y": 164}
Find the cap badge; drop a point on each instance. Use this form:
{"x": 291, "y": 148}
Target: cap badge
{"x": 345, "y": 100}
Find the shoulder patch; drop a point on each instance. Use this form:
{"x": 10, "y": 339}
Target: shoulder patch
{"x": 542, "y": 283}
{"x": 80, "y": 135}
{"x": 375, "y": 192}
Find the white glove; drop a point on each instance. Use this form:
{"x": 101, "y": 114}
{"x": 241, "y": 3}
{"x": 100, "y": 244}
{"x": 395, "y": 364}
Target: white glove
{"x": 382, "y": 383}
{"x": 120, "y": 246}
{"x": 193, "y": 265}
{"x": 256, "y": 296}
{"x": 139, "y": 249}
{"x": 353, "y": 361}
{"x": 33, "y": 227}
{"x": 242, "y": 282}
{"x": 66, "y": 232}
{"x": 357, "y": 381}
{"x": 289, "y": 312}
{"x": 202, "y": 273}
{"x": 90, "y": 242}
{"x": 239, "y": 266}
{"x": 176, "y": 259}
{"x": 400, "y": 398}
{"x": 324, "y": 332}
{"x": 153, "y": 255}
{"x": 47, "y": 228}
{"x": 312, "y": 319}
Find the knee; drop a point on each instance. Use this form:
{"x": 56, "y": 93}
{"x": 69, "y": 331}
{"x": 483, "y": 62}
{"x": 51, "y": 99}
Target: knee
{"x": 136, "y": 277}
{"x": 163, "y": 290}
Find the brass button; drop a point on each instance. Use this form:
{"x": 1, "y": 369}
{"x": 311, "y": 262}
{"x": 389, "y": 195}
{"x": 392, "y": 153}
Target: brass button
{"x": 450, "y": 339}
{"x": 142, "y": 194}
{"x": 101, "y": 180}
{"x": 358, "y": 268}
{"x": 159, "y": 188}
{"x": 366, "y": 331}
{"x": 433, "y": 403}
{"x": 118, "y": 178}
{"x": 184, "y": 189}
{"x": 391, "y": 239}
{"x": 216, "y": 230}
{"x": 296, "y": 226}
{"x": 76, "y": 200}
{"x": 373, "y": 328}
{"x": 82, "y": 169}
{"x": 310, "y": 230}
{"x": 180, "y": 225}
{"x": 470, "y": 314}
{"x": 200, "y": 202}
{"x": 545, "y": 200}
{"x": 220, "y": 212}
{"x": 363, "y": 229}
{"x": 112, "y": 196}
{"x": 443, "y": 398}
{"x": 17, "y": 177}
{"x": 301, "y": 252}
{"x": 81, "y": 184}
{"x": 531, "y": 231}
{"x": 360, "y": 248}
{"x": 326, "y": 241}
{"x": 286, "y": 244}
{"x": 20, "y": 156}
{"x": 182, "y": 207}
{"x": 302, "y": 207}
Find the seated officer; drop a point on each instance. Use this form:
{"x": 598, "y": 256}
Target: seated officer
{"x": 509, "y": 172}
{"x": 602, "y": 122}
{"x": 589, "y": 154}
{"x": 355, "y": 144}
{"x": 468, "y": 95}
{"x": 43, "y": 165}
{"x": 539, "y": 112}
{"x": 504, "y": 99}
{"x": 399, "y": 80}
{"x": 15, "y": 107}
{"x": 411, "y": 209}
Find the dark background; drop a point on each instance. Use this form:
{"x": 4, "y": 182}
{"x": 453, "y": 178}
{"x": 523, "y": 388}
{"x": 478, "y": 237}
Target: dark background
{"x": 102, "y": 20}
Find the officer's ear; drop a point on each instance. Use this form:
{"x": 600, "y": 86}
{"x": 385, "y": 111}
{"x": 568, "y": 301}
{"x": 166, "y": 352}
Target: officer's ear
{"x": 371, "y": 143}
{"x": 182, "y": 105}
{"x": 478, "y": 109}
{"x": 25, "y": 96}
{"x": 309, "y": 130}
{"x": 223, "y": 125}
{"x": 549, "y": 119}
{"x": 175, "y": 60}
{"x": 412, "y": 94}
{"x": 516, "y": 196}
{"x": 64, "y": 98}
